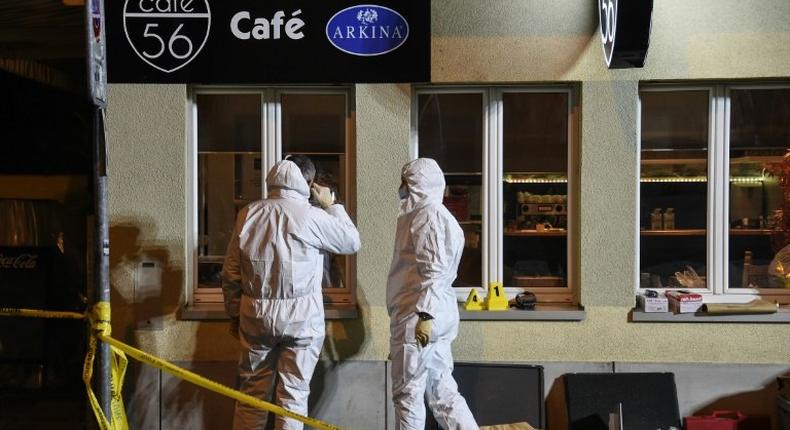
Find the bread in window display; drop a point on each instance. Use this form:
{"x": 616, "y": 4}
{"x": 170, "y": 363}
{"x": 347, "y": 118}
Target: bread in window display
{"x": 689, "y": 278}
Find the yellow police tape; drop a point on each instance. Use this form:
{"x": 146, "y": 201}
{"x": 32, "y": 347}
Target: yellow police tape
{"x": 99, "y": 318}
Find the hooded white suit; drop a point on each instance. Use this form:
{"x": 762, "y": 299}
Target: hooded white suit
{"x": 428, "y": 247}
{"x": 272, "y": 283}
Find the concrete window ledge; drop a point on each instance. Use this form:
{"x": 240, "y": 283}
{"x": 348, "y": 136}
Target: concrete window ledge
{"x": 781, "y": 317}
{"x": 216, "y": 311}
{"x": 541, "y": 313}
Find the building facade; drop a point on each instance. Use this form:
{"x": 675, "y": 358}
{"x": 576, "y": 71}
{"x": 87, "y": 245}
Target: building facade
{"x": 493, "y": 48}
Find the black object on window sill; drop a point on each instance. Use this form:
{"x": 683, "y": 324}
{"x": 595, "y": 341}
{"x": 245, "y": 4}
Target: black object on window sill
{"x": 525, "y": 301}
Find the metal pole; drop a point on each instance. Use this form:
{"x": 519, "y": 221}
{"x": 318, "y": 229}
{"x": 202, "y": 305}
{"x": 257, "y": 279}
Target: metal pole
{"x": 101, "y": 254}
{"x": 97, "y": 86}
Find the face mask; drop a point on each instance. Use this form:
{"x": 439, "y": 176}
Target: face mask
{"x": 403, "y": 192}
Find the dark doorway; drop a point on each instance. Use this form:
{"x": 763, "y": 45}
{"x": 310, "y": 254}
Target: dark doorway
{"x": 45, "y": 208}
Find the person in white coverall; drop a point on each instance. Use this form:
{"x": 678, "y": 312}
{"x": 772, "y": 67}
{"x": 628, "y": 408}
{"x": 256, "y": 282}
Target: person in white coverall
{"x": 422, "y": 305}
{"x": 272, "y": 287}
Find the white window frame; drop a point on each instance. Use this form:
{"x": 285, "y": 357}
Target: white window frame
{"x": 718, "y": 203}
{"x": 492, "y": 239}
{"x": 271, "y": 147}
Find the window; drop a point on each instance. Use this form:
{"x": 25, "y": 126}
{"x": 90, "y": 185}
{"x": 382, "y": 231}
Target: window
{"x": 713, "y": 165}
{"x": 673, "y": 185}
{"x": 237, "y": 136}
{"x": 508, "y": 157}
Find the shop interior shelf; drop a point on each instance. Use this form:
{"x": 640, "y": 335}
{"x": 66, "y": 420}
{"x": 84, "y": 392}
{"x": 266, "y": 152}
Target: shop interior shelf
{"x": 530, "y": 233}
{"x": 699, "y": 160}
{"x": 701, "y": 232}
{"x": 750, "y": 232}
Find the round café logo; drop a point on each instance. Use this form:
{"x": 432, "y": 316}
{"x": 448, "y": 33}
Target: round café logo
{"x": 607, "y": 10}
{"x": 367, "y": 30}
{"x": 167, "y": 34}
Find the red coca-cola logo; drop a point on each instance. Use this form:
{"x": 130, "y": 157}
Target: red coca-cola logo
{"x": 21, "y": 261}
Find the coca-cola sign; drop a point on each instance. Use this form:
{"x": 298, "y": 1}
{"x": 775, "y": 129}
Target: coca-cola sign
{"x": 19, "y": 262}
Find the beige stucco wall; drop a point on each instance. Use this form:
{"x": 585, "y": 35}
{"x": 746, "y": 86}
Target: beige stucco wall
{"x": 497, "y": 41}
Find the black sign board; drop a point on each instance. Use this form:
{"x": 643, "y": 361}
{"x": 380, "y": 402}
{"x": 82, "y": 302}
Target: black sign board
{"x": 272, "y": 41}
{"x": 625, "y": 31}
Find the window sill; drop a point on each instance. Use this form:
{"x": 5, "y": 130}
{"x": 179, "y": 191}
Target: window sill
{"x": 216, "y": 311}
{"x": 780, "y": 317}
{"x": 548, "y": 312}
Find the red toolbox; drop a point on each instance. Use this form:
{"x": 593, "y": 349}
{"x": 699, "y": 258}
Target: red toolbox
{"x": 728, "y": 420}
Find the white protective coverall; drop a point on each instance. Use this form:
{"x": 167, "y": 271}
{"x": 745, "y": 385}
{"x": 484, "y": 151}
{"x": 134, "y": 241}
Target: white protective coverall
{"x": 272, "y": 283}
{"x": 428, "y": 247}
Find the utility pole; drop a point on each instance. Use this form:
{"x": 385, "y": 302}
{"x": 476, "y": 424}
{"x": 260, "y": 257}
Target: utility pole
{"x": 97, "y": 87}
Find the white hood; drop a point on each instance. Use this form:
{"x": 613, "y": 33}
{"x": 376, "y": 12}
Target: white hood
{"x": 425, "y": 180}
{"x": 286, "y": 180}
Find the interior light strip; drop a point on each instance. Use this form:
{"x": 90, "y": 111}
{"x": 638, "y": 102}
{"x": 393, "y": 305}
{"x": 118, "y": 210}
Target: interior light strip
{"x": 535, "y": 181}
{"x": 665, "y": 179}
{"x": 735, "y": 180}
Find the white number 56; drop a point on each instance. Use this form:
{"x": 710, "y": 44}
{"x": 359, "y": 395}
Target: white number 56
{"x": 170, "y": 45}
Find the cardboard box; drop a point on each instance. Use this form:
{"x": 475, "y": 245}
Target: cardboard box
{"x": 653, "y": 304}
{"x": 728, "y": 420}
{"x": 684, "y": 303}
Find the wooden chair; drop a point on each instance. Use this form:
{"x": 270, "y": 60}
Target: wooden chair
{"x": 754, "y": 276}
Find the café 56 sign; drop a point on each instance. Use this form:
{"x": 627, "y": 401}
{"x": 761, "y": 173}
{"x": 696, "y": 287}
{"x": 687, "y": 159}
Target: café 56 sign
{"x": 608, "y": 15}
{"x": 625, "y": 32}
{"x": 271, "y": 41}
{"x": 167, "y": 34}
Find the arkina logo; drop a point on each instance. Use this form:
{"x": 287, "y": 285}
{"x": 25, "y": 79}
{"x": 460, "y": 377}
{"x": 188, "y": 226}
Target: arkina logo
{"x": 367, "y": 30}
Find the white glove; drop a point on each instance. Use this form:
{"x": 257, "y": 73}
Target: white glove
{"x": 323, "y": 195}
{"x": 422, "y": 332}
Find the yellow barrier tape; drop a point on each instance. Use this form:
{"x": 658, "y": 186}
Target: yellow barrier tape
{"x": 213, "y": 386}
{"x": 30, "y": 313}
{"x": 99, "y": 317}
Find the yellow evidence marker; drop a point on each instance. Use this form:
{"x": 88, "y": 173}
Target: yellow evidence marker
{"x": 496, "y": 300}
{"x": 473, "y": 302}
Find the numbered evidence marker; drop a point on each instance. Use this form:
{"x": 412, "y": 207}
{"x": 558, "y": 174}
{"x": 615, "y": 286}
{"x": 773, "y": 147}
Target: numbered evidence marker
{"x": 473, "y": 302}
{"x": 167, "y": 34}
{"x": 496, "y": 300}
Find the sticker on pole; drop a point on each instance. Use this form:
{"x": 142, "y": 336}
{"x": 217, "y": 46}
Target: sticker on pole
{"x": 367, "y": 30}
{"x": 167, "y": 34}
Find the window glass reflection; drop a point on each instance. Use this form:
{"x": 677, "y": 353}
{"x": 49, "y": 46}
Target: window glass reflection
{"x": 673, "y": 189}
{"x": 229, "y": 172}
{"x": 535, "y": 189}
{"x": 759, "y": 185}
{"x": 450, "y": 130}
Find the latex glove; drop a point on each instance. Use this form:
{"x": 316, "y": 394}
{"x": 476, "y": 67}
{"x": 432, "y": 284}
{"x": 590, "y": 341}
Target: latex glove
{"x": 234, "y": 327}
{"x": 323, "y": 195}
{"x": 423, "y": 332}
